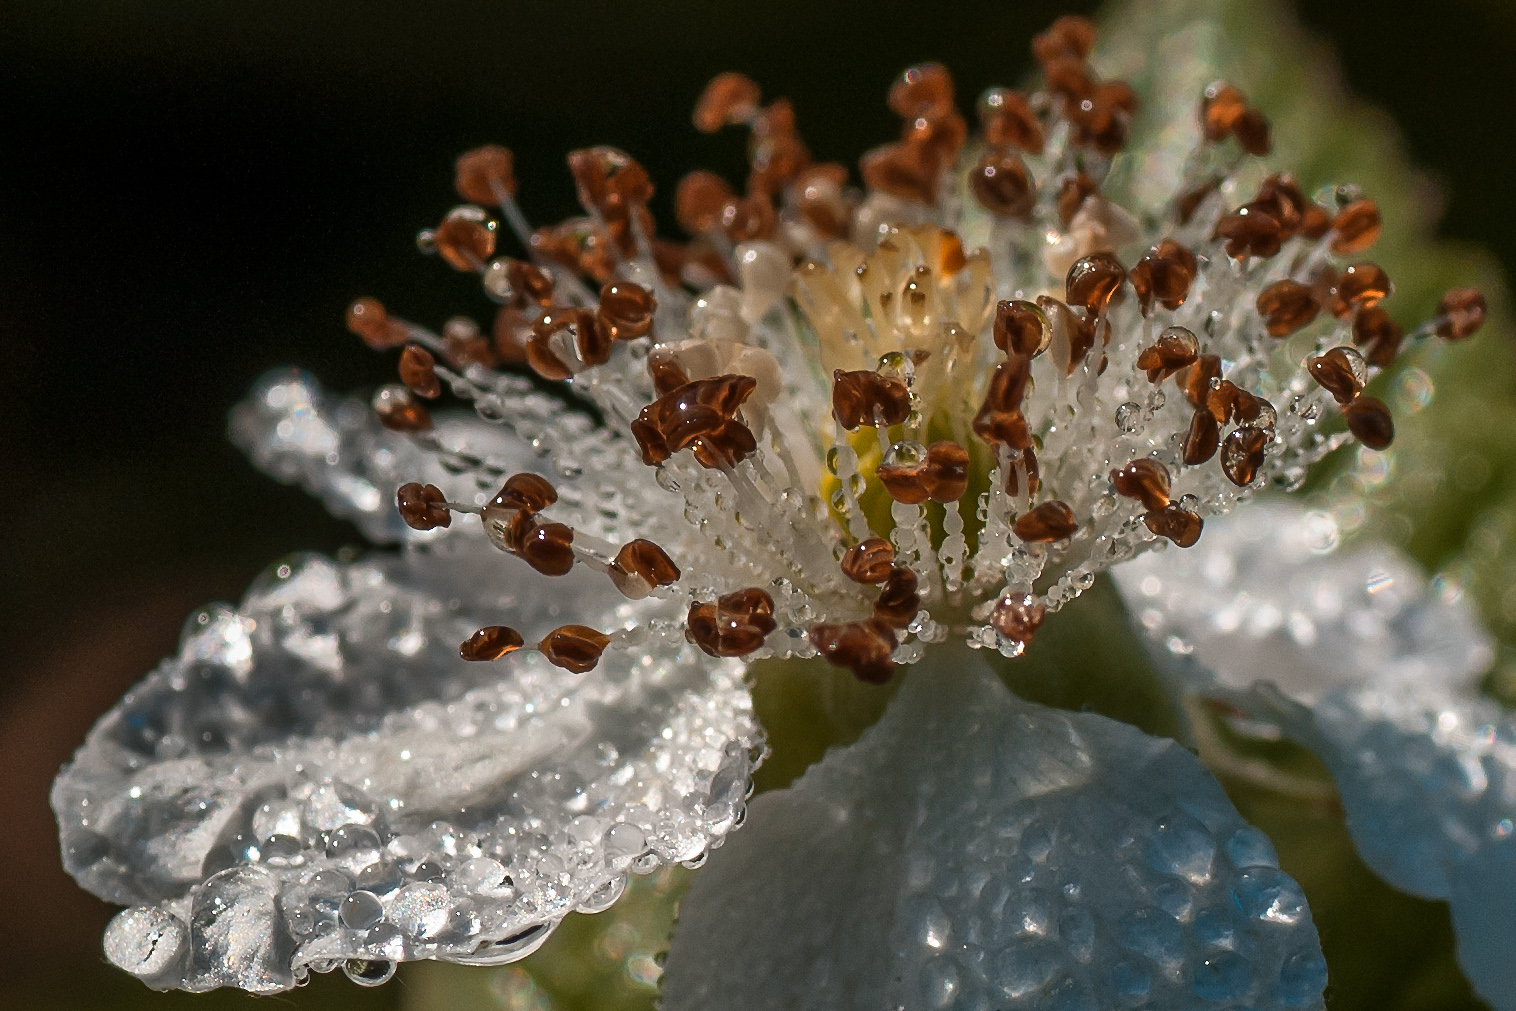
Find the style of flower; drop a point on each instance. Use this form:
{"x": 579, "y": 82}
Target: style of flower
{"x": 881, "y": 428}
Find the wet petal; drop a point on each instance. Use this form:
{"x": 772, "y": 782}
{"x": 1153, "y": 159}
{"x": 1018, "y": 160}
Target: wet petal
{"x": 973, "y": 848}
{"x": 1377, "y": 673}
{"x": 335, "y": 449}
{"x": 318, "y": 777}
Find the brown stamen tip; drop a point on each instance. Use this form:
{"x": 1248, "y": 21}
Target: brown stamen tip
{"x": 1196, "y": 380}
{"x": 465, "y": 238}
{"x": 591, "y": 342}
{"x": 1164, "y": 275}
{"x": 1357, "y": 227}
{"x": 1461, "y": 314}
{"x": 1094, "y": 280}
{"x": 869, "y": 561}
{"x": 526, "y": 491}
{"x": 862, "y": 647}
{"x": 1175, "y": 522}
{"x": 418, "y": 371}
{"x": 1242, "y": 455}
{"x": 1361, "y": 286}
{"x": 491, "y": 643}
{"x": 1051, "y": 521}
{"x": 699, "y": 201}
{"x": 942, "y": 475}
{"x": 1021, "y": 328}
{"x": 368, "y": 318}
{"x": 1071, "y": 196}
{"x": 1028, "y": 463}
{"x": 999, "y": 419}
{"x": 1378, "y": 335}
{"x": 1369, "y": 420}
{"x": 1221, "y": 109}
{"x": 1071, "y": 36}
{"x": 1342, "y": 372}
{"x": 626, "y": 310}
{"x": 640, "y": 567}
{"x": 1008, "y": 121}
{"x": 1253, "y": 134}
{"x": 1018, "y": 616}
{"x": 922, "y": 92}
{"x": 1176, "y": 348}
{"x": 898, "y": 601}
{"x": 1145, "y": 480}
{"x": 575, "y": 648}
{"x": 485, "y": 172}
{"x": 858, "y": 396}
{"x": 1002, "y": 184}
{"x": 1250, "y": 231}
{"x": 423, "y": 507}
{"x": 734, "y": 624}
{"x": 700, "y": 416}
{"x": 398, "y": 411}
{"x": 729, "y": 98}
{"x": 548, "y": 548}
{"x": 1201, "y": 439}
{"x": 463, "y": 345}
{"x": 1287, "y": 306}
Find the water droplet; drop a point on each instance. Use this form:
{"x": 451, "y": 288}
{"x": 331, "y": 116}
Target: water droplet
{"x": 147, "y": 942}
{"x": 1129, "y": 417}
{"x": 368, "y": 972}
{"x": 360, "y": 910}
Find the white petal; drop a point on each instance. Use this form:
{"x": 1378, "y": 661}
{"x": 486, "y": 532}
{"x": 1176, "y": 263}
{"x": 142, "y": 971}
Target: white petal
{"x": 973, "y": 848}
{"x": 1384, "y": 691}
{"x": 317, "y": 776}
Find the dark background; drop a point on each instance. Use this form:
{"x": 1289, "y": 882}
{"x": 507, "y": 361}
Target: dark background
{"x": 191, "y": 192}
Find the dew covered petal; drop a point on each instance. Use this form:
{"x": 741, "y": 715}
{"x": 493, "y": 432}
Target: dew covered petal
{"x": 972, "y": 849}
{"x": 317, "y": 776}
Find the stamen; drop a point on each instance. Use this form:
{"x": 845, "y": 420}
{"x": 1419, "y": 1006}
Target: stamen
{"x": 575, "y": 648}
{"x": 491, "y": 643}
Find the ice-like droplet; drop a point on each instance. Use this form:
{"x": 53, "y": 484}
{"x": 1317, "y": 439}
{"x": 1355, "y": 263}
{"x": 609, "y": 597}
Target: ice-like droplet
{"x": 148, "y": 942}
{"x": 368, "y": 971}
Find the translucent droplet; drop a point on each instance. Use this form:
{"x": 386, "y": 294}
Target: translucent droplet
{"x": 146, "y": 941}
{"x": 1415, "y": 390}
{"x": 605, "y": 896}
{"x": 841, "y": 459}
{"x": 368, "y": 972}
{"x": 360, "y": 910}
{"x": 510, "y": 949}
{"x": 905, "y": 454}
{"x": 1129, "y": 417}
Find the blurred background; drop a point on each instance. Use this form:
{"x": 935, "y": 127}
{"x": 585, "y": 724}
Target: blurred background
{"x": 192, "y": 192}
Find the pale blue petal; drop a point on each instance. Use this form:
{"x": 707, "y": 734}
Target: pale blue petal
{"x": 1353, "y": 655}
{"x": 972, "y": 850}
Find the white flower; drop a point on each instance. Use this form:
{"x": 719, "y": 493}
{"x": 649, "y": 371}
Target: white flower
{"x": 881, "y": 427}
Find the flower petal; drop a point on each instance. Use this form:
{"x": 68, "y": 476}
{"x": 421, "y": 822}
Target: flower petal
{"x": 1377, "y": 673}
{"x": 973, "y": 847}
{"x": 318, "y": 777}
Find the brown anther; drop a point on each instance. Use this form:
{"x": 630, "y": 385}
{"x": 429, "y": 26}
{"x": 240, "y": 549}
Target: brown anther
{"x": 1242, "y": 455}
{"x": 463, "y": 345}
{"x": 1196, "y": 380}
{"x": 863, "y": 647}
{"x": 1335, "y": 372}
{"x": 821, "y": 200}
{"x": 1460, "y": 314}
{"x": 398, "y": 411}
{"x": 1101, "y": 115}
{"x": 1093, "y": 280}
{"x": 942, "y": 475}
{"x": 1175, "y": 349}
{"x": 699, "y": 200}
{"x": 423, "y": 506}
{"x": 1069, "y": 36}
{"x": 1252, "y": 133}
{"x": 549, "y": 548}
{"x": 999, "y": 419}
{"x": 869, "y": 561}
{"x": 1378, "y": 335}
{"x": 510, "y": 333}
{"x": 640, "y": 567}
{"x": 700, "y": 416}
{"x": 1249, "y": 231}
{"x": 1018, "y": 616}
{"x": 1369, "y": 420}
{"x": 729, "y": 98}
{"x": 590, "y": 340}
{"x": 1225, "y": 400}
{"x": 1071, "y": 196}
{"x": 865, "y": 397}
{"x": 776, "y": 154}
{"x": 1051, "y": 521}
{"x": 531, "y": 282}
{"x": 575, "y": 648}
{"x": 747, "y": 218}
{"x": 1355, "y": 228}
{"x": 1145, "y": 480}
{"x": 491, "y": 643}
{"x": 1175, "y": 522}
{"x": 485, "y": 174}
{"x": 1002, "y": 185}
{"x": 418, "y": 371}
{"x": 922, "y": 92}
{"x": 1287, "y": 306}
{"x": 1201, "y": 439}
{"x": 1221, "y": 109}
{"x": 666, "y": 373}
{"x": 465, "y": 238}
{"x": 734, "y": 624}
{"x": 898, "y": 601}
{"x": 530, "y": 492}
{"x": 626, "y": 310}
{"x": 1021, "y": 328}
{"x": 1361, "y": 286}
{"x": 1008, "y": 120}
{"x": 1164, "y": 276}
{"x": 901, "y": 171}
{"x": 367, "y": 318}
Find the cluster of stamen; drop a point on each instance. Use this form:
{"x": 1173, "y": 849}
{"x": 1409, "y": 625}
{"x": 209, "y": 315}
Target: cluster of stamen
{"x": 940, "y": 405}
